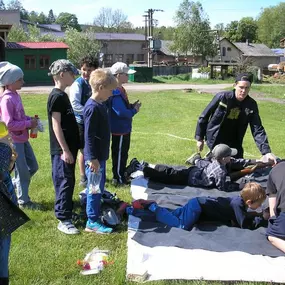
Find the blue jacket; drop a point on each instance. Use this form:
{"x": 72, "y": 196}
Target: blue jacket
{"x": 211, "y": 122}
{"x": 121, "y": 112}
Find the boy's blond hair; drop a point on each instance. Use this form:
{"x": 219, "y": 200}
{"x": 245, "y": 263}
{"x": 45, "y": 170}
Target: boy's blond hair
{"x": 101, "y": 77}
{"x": 254, "y": 192}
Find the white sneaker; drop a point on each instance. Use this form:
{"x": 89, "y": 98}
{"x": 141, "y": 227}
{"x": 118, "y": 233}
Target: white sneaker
{"x": 67, "y": 227}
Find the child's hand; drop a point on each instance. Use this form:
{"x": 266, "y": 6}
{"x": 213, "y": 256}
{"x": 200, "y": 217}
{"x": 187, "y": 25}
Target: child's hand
{"x": 94, "y": 165}
{"x": 34, "y": 123}
{"x": 67, "y": 157}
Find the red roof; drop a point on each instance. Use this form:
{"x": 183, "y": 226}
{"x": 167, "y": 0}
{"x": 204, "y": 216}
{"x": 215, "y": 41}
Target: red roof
{"x": 36, "y": 45}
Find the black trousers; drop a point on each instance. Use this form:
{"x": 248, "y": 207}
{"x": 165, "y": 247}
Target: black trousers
{"x": 120, "y": 150}
{"x": 167, "y": 174}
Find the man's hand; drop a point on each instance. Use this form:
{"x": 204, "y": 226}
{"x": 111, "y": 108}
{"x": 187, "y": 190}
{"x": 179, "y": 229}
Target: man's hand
{"x": 94, "y": 165}
{"x": 200, "y": 145}
{"x": 269, "y": 157}
{"x": 67, "y": 157}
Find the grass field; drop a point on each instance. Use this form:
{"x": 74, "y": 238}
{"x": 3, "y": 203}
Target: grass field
{"x": 42, "y": 255}
{"x": 274, "y": 91}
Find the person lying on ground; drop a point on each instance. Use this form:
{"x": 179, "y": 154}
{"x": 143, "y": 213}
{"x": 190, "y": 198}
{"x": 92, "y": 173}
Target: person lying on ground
{"x": 231, "y": 211}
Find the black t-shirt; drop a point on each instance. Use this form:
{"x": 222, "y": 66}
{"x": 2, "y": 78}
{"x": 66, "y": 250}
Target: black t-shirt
{"x": 58, "y": 101}
{"x": 276, "y": 185}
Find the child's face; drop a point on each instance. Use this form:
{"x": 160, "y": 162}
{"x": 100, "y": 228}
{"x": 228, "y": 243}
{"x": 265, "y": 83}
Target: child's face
{"x": 17, "y": 85}
{"x": 254, "y": 205}
{"x": 67, "y": 78}
{"x": 123, "y": 78}
{"x": 225, "y": 160}
{"x": 86, "y": 71}
{"x": 105, "y": 92}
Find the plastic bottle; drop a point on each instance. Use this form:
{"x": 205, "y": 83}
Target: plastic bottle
{"x": 94, "y": 182}
{"x": 34, "y": 131}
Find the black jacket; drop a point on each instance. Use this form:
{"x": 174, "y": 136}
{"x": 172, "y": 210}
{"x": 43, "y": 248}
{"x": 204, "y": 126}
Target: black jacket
{"x": 212, "y": 117}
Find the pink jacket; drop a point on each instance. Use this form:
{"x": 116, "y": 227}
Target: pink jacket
{"x": 13, "y": 114}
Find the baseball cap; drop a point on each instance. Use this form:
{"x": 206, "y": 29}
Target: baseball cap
{"x": 244, "y": 77}
{"x": 9, "y": 73}
{"x": 62, "y": 65}
{"x": 223, "y": 150}
{"x": 121, "y": 67}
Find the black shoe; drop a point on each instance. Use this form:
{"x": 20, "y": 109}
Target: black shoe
{"x": 132, "y": 167}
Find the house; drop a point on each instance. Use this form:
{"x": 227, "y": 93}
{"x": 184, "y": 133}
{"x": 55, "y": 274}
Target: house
{"x": 124, "y": 47}
{"x": 280, "y": 52}
{"x": 35, "y": 58}
{"x": 165, "y": 55}
{"x": 257, "y": 54}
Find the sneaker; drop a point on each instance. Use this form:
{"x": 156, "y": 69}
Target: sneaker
{"x": 192, "y": 158}
{"x": 67, "y": 227}
{"x": 31, "y": 206}
{"x": 132, "y": 167}
{"x": 97, "y": 227}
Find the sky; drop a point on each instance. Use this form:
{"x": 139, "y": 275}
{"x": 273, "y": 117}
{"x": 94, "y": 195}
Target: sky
{"x": 219, "y": 11}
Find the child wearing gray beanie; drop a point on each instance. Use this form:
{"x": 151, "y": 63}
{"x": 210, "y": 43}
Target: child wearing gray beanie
{"x": 13, "y": 115}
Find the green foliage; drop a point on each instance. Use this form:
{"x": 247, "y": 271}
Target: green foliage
{"x": 17, "y": 5}
{"x": 193, "y": 31}
{"x": 80, "y": 44}
{"x": 67, "y": 20}
{"x": 271, "y": 27}
{"x": 240, "y": 31}
{"x": 17, "y": 34}
{"x": 51, "y": 17}
{"x": 204, "y": 69}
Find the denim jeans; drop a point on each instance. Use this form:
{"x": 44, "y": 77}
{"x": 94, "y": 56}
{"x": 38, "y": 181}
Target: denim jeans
{"x": 26, "y": 166}
{"x": 94, "y": 200}
{"x": 4, "y": 256}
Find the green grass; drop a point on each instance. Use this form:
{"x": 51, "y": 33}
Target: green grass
{"x": 42, "y": 255}
{"x": 274, "y": 91}
{"x": 186, "y": 78}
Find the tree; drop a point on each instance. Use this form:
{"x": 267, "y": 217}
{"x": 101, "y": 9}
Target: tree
{"x": 271, "y": 28}
{"x": 110, "y": 20}
{"x": 51, "y": 17}
{"x": 80, "y": 43}
{"x": 220, "y": 27}
{"x": 17, "y": 5}
{"x": 231, "y": 31}
{"x": 17, "y": 34}
{"x": 193, "y": 33}
{"x": 68, "y": 20}
{"x": 42, "y": 18}
{"x": 33, "y": 17}
{"x": 2, "y": 5}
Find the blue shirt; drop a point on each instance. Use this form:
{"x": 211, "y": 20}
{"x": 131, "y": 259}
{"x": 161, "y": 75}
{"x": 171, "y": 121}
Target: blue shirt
{"x": 96, "y": 131}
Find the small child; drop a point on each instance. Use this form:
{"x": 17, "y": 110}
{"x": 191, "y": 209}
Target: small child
{"x": 205, "y": 173}
{"x": 231, "y": 211}
{"x": 64, "y": 143}
{"x": 79, "y": 92}
{"x": 13, "y": 115}
{"x": 121, "y": 114}
{"x": 97, "y": 143}
{"x": 276, "y": 192}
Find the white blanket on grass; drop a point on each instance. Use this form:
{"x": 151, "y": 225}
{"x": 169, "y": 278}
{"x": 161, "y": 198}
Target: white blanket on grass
{"x": 194, "y": 264}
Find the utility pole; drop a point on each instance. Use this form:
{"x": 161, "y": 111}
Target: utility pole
{"x": 149, "y": 36}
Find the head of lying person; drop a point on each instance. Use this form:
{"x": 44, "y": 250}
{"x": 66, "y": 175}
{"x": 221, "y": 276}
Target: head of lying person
{"x": 253, "y": 195}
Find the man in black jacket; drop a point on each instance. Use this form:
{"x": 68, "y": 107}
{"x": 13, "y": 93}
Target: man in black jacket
{"x": 227, "y": 116}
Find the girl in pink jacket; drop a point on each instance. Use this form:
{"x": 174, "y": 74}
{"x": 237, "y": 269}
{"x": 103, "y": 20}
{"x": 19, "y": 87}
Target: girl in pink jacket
{"x": 18, "y": 124}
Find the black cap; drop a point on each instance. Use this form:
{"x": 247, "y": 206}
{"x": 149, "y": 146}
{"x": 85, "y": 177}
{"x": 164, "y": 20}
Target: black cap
{"x": 244, "y": 77}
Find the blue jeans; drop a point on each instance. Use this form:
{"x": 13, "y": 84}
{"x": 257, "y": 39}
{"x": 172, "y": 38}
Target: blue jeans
{"x": 26, "y": 166}
{"x": 4, "y": 256}
{"x": 183, "y": 217}
{"x": 94, "y": 200}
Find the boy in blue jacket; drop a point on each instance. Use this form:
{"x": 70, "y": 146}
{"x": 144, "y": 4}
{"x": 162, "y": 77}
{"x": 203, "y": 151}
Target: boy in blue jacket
{"x": 121, "y": 116}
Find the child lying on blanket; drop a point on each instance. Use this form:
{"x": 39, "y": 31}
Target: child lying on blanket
{"x": 276, "y": 192}
{"x": 205, "y": 173}
{"x": 231, "y": 211}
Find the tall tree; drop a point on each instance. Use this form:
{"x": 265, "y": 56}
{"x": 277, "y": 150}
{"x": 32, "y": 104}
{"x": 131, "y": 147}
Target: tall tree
{"x": 42, "y": 18}
{"x": 193, "y": 33}
{"x": 231, "y": 31}
{"x": 68, "y": 20}
{"x": 51, "y": 17}
{"x": 220, "y": 27}
{"x": 33, "y": 17}
{"x": 2, "y": 5}
{"x": 271, "y": 27}
{"x": 80, "y": 43}
{"x": 110, "y": 20}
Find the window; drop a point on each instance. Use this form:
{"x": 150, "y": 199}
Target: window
{"x": 108, "y": 60}
{"x": 140, "y": 57}
{"x": 30, "y": 62}
{"x": 130, "y": 58}
{"x": 44, "y": 61}
{"x": 119, "y": 57}
{"x": 229, "y": 49}
{"x": 223, "y": 51}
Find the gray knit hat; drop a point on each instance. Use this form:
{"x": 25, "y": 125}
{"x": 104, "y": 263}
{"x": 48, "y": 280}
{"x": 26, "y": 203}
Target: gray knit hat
{"x": 62, "y": 65}
{"x": 9, "y": 73}
{"x": 223, "y": 150}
